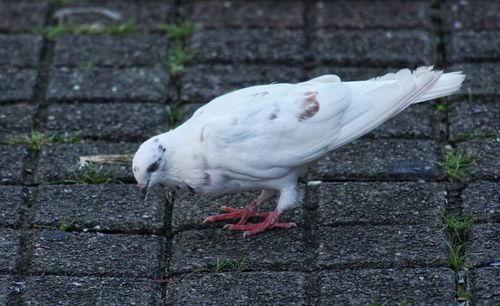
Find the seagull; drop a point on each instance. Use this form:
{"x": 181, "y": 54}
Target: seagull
{"x": 265, "y": 137}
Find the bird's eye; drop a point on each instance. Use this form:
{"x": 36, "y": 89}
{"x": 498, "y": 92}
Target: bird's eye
{"x": 153, "y": 167}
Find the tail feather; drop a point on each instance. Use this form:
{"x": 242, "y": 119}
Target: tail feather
{"x": 447, "y": 84}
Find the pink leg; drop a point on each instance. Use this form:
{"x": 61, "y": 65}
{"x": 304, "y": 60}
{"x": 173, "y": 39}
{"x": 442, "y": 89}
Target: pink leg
{"x": 233, "y": 213}
{"x": 269, "y": 222}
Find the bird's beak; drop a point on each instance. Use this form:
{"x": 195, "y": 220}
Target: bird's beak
{"x": 143, "y": 191}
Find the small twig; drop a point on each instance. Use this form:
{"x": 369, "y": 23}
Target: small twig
{"x": 105, "y": 159}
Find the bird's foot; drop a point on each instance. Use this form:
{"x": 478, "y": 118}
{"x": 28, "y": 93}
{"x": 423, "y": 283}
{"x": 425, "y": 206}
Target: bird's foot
{"x": 233, "y": 213}
{"x": 269, "y": 222}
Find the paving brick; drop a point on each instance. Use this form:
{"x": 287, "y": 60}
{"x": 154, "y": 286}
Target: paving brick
{"x": 115, "y": 121}
{"x": 22, "y": 15}
{"x": 16, "y": 119}
{"x": 17, "y": 85}
{"x": 199, "y": 250}
{"x": 20, "y": 50}
{"x": 380, "y": 158}
{"x": 482, "y": 200}
{"x": 421, "y": 286}
{"x": 381, "y": 246}
{"x": 103, "y": 207}
{"x": 486, "y": 286}
{"x": 64, "y": 290}
{"x": 486, "y": 153}
{"x": 480, "y": 80}
{"x": 98, "y": 254}
{"x": 220, "y": 14}
{"x": 471, "y": 15}
{"x": 473, "y": 46}
{"x": 236, "y": 45}
{"x": 253, "y": 288}
{"x": 483, "y": 244}
{"x": 11, "y": 205}
{"x": 5, "y": 288}
{"x": 380, "y": 202}
{"x": 110, "y": 51}
{"x": 472, "y": 119}
{"x": 145, "y": 84}
{"x": 372, "y": 14}
{"x": 11, "y": 163}
{"x": 10, "y": 249}
{"x": 61, "y": 161}
{"x": 205, "y": 82}
{"x": 374, "y": 47}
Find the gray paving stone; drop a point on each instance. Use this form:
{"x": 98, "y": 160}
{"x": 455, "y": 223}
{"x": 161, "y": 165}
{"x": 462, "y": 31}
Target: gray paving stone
{"x": 374, "y": 47}
{"x": 486, "y": 286}
{"x": 144, "y": 84}
{"x": 483, "y": 245}
{"x": 20, "y": 50}
{"x": 16, "y": 119}
{"x": 473, "y": 46}
{"x": 17, "y": 85}
{"x": 115, "y": 121}
{"x": 198, "y": 250}
{"x": 472, "y": 119}
{"x": 205, "y": 82}
{"x": 480, "y": 80}
{"x": 64, "y": 290}
{"x": 110, "y": 51}
{"x": 372, "y": 14}
{"x": 220, "y": 14}
{"x": 380, "y": 158}
{"x": 11, "y": 163}
{"x": 236, "y": 45}
{"x": 381, "y": 246}
{"x": 482, "y": 200}
{"x": 254, "y": 288}
{"x": 5, "y": 288}
{"x": 471, "y": 15}
{"x": 421, "y": 286}
{"x": 61, "y": 161}
{"x": 22, "y": 15}
{"x": 380, "y": 203}
{"x": 97, "y": 254}
{"x": 102, "y": 207}
{"x": 486, "y": 153}
{"x": 11, "y": 205}
{"x": 9, "y": 249}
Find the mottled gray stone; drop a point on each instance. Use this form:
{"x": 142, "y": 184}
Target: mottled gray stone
{"x": 110, "y": 51}
{"x": 10, "y": 249}
{"x": 486, "y": 286}
{"x": 199, "y": 250}
{"x": 483, "y": 245}
{"x": 380, "y": 203}
{"x": 374, "y": 47}
{"x": 238, "y": 45}
{"x": 115, "y": 121}
{"x": 64, "y": 290}
{"x": 20, "y": 50}
{"x": 16, "y": 119}
{"x": 22, "y": 15}
{"x": 102, "y": 207}
{"x": 253, "y": 288}
{"x": 5, "y": 288}
{"x": 381, "y": 158}
{"x": 97, "y": 254}
{"x": 486, "y": 155}
{"x": 480, "y": 80}
{"x": 11, "y": 162}
{"x": 381, "y": 246}
{"x": 420, "y": 286}
{"x": 17, "y": 85}
{"x": 143, "y": 84}
{"x": 473, "y": 46}
{"x": 11, "y": 205}
{"x": 482, "y": 200}
{"x": 473, "y": 119}
{"x": 471, "y": 15}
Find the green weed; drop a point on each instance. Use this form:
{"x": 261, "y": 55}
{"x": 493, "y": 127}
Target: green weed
{"x": 177, "y": 60}
{"x": 36, "y": 140}
{"x": 54, "y": 31}
{"x": 179, "y": 32}
{"x": 91, "y": 175}
{"x": 456, "y": 228}
{"x": 441, "y": 106}
{"x": 456, "y": 164}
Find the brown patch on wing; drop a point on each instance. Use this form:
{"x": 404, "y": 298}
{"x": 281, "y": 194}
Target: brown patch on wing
{"x": 156, "y": 140}
{"x": 206, "y": 179}
{"x": 262, "y": 93}
{"x": 309, "y": 106}
{"x": 273, "y": 116}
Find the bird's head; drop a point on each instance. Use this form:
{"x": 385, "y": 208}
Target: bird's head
{"x": 149, "y": 165}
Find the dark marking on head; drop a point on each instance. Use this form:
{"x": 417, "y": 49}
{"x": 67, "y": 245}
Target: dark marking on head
{"x": 206, "y": 179}
{"x": 273, "y": 116}
{"x": 161, "y": 148}
{"x": 309, "y": 106}
{"x": 153, "y": 167}
{"x": 135, "y": 169}
{"x": 190, "y": 188}
{"x": 156, "y": 140}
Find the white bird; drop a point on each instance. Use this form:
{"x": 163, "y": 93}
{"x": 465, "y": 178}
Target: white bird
{"x": 265, "y": 137}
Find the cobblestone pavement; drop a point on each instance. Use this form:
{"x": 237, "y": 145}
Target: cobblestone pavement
{"x": 370, "y": 225}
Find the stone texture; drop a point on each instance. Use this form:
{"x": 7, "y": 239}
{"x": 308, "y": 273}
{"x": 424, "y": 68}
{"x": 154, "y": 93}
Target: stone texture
{"x": 381, "y": 246}
{"x": 97, "y": 254}
{"x": 17, "y": 85}
{"x": 5, "y": 288}
{"x": 115, "y": 121}
{"x": 421, "y": 286}
{"x": 483, "y": 244}
{"x": 61, "y": 161}
{"x": 198, "y": 250}
{"x": 22, "y": 15}
{"x": 11, "y": 205}
{"x": 16, "y": 119}
{"x": 473, "y": 46}
{"x": 110, "y": 51}
{"x": 236, "y": 45}
{"x": 380, "y": 203}
{"x": 486, "y": 154}
{"x": 255, "y": 288}
{"x": 143, "y": 84}
{"x": 486, "y": 286}
{"x": 374, "y": 47}
{"x": 11, "y": 163}
{"x": 480, "y": 81}
{"x": 101, "y": 291}
{"x": 20, "y": 50}
{"x": 382, "y": 158}
{"x": 471, "y": 15}
{"x": 205, "y": 82}
{"x": 482, "y": 200}
{"x": 101, "y": 207}
{"x": 9, "y": 249}
{"x": 473, "y": 119}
